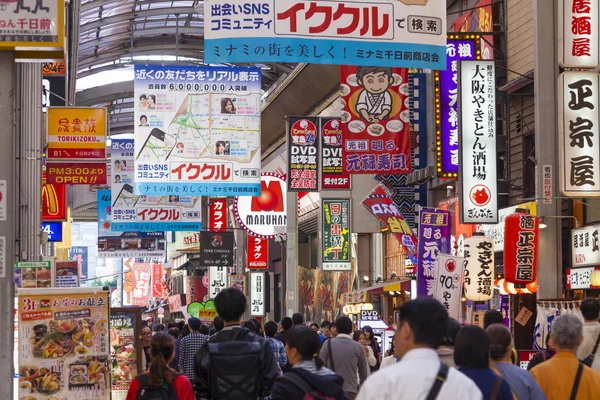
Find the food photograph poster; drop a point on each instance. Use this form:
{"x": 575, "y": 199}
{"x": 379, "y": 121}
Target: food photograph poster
{"x": 63, "y": 344}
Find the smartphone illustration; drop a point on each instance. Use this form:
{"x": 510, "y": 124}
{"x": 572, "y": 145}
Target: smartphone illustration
{"x": 157, "y": 147}
{"x": 126, "y": 198}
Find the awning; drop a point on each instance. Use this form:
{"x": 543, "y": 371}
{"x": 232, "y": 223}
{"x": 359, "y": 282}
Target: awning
{"x": 360, "y": 296}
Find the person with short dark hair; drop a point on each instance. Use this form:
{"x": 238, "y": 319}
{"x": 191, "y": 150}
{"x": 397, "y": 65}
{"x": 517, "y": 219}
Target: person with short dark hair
{"x": 308, "y": 374}
{"x": 286, "y": 325}
{"x": 259, "y": 328}
{"x": 588, "y": 350}
{"x": 333, "y": 332}
{"x": 218, "y": 323}
{"x": 472, "y": 357}
{"x": 297, "y": 318}
{"x": 446, "y": 349}
{"x": 325, "y": 326}
{"x": 346, "y": 357}
{"x": 421, "y": 327}
{"x": 277, "y": 346}
{"x": 251, "y": 326}
{"x": 180, "y": 325}
{"x": 203, "y": 329}
{"x": 158, "y": 328}
{"x": 146, "y": 343}
{"x": 174, "y": 331}
{"x": 227, "y": 367}
{"x": 188, "y": 348}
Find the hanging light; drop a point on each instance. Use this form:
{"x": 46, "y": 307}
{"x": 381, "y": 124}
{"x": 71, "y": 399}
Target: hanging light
{"x": 521, "y": 237}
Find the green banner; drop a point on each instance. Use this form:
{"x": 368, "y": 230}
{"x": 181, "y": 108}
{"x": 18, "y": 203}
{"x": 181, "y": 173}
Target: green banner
{"x": 336, "y": 235}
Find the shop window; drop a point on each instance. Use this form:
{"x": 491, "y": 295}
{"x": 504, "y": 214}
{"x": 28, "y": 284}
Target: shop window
{"x": 394, "y": 256}
{"x": 529, "y": 166}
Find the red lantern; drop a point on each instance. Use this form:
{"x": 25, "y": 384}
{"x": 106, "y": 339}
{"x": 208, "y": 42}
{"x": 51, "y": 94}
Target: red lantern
{"x": 521, "y": 233}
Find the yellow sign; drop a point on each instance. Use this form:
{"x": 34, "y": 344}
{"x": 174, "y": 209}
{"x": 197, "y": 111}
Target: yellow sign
{"x": 76, "y": 133}
{"x": 35, "y": 26}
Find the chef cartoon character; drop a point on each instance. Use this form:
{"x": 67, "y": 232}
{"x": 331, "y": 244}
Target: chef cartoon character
{"x": 374, "y": 100}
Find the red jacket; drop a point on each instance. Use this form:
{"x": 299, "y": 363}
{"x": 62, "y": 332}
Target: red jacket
{"x": 182, "y": 387}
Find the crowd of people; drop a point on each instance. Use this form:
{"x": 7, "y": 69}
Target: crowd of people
{"x": 432, "y": 357}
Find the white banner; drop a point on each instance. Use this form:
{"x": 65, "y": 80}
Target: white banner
{"x": 578, "y": 33}
{"x": 257, "y": 293}
{"x": 218, "y": 279}
{"x": 584, "y": 246}
{"x": 448, "y": 283}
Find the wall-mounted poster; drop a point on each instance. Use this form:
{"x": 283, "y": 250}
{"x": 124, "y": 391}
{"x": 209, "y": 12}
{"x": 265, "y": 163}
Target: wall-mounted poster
{"x": 303, "y": 154}
{"x": 67, "y": 274}
{"x": 126, "y": 354}
{"x": 33, "y": 274}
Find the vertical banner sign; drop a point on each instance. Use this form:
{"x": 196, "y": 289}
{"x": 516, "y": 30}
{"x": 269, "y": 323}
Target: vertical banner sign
{"x": 257, "y": 293}
{"x": 585, "y": 248}
{"x": 434, "y": 238}
{"x": 336, "y": 235}
{"x": 477, "y": 112}
{"x": 217, "y": 280}
{"x": 197, "y": 130}
{"x": 578, "y": 34}
{"x": 141, "y": 285}
{"x": 375, "y": 120}
{"x": 80, "y": 254}
{"x": 521, "y": 237}
{"x": 448, "y": 283}
{"x": 479, "y": 268}
{"x": 446, "y": 102}
{"x": 195, "y": 289}
{"x": 303, "y": 154}
{"x": 157, "y": 280}
{"x": 258, "y": 253}
{"x": 332, "y": 174}
{"x": 218, "y": 214}
{"x": 578, "y": 134}
{"x": 547, "y": 171}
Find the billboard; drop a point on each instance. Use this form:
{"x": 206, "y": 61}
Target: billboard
{"x": 303, "y": 154}
{"x": 335, "y": 217}
{"x": 332, "y": 141}
{"x": 23, "y": 26}
{"x": 77, "y": 133}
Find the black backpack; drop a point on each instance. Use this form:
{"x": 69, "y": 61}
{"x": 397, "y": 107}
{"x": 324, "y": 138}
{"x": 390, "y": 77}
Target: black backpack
{"x": 236, "y": 368}
{"x": 149, "y": 392}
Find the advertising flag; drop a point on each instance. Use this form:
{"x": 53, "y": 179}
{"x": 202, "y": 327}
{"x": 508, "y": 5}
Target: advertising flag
{"x": 303, "y": 154}
{"x": 335, "y": 218}
{"x": 448, "y": 283}
{"x": 157, "y": 280}
{"x": 141, "y": 285}
{"x": 332, "y": 141}
{"x": 434, "y": 238}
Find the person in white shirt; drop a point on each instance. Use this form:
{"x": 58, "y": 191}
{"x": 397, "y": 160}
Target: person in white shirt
{"x": 420, "y": 332}
{"x": 590, "y": 309}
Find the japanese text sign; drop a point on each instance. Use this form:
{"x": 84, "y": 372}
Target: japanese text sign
{"x": 76, "y": 133}
{"x": 238, "y": 282}
{"x": 197, "y": 130}
{"x": 479, "y": 268}
{"x": 578, "y": 134}
{"x": 218, "y": 214}
{"x": 375, "y": 120}
{"x": 257, "y": 293}
{"x": 335, "y": 217}
{"x": 332, "y": 141}
{"x": 66, "y": 274}
{"x": 126, "y": 349}
{"x": 448, "y": 283}
{"x": 496, "y": 232}
{"x": 363, "y": 32}
{"x": 76, "y": 173}
{"x": 477, "y": 128}
{"x": 521, "y": 237}
{"x": 81, "y": 255}
{"x": 141, "y": 285}
{"x": 434, "y": 238}
{"x": 157, "y": 280}
{"x": 303, "y": 154}
{"x": 54, "y": 202}
{"x": 218, "y": 280}
{"x": 583, "y": 278}
{"x": 216, "y": 248}
{"x": 258, "y": 253}
{"x": 39, "y": 24}
{"x": 168, "y": 212}
{"x": 584, "y": 246}
{"x": 446, "y": 102}
{"x": 578, "y": 32}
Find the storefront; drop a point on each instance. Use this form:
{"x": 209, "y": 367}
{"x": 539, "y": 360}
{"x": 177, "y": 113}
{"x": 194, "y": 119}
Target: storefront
{"x": 583, "y": 278}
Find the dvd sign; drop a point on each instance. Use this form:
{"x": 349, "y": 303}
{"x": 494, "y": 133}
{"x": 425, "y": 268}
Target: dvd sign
{"x": 303, "y": 153}
{"x": 264, "y": 216}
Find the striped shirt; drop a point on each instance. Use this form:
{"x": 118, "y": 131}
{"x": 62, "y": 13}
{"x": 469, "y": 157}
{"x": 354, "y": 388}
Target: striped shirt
{"x": 188, "y": 348}
{"x": 278, "y": 351}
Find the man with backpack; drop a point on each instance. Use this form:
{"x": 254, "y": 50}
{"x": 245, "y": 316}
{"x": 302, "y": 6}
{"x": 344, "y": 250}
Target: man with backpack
{"x": 235, "y": 363}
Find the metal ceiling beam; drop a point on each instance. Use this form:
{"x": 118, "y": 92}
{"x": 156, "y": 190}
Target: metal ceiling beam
{"x": 90, "y": 5}
{"x": 135, "y": 14}
{"x": 125, "y": 36}
{"x": 90, "y": 71}
{"x": 105, "y": 93}
{"x": 185, "y": 50}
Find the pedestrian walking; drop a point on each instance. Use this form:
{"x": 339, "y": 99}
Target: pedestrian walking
{"x": 189, "y": 346}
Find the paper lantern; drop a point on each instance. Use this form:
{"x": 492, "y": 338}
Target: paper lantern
{"x": 595, "y": 278}
{"x": 521, "y": 237}
{"x": 479, "y": 267}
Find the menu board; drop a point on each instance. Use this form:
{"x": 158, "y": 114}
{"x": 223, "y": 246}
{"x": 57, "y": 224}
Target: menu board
{"x": 67, "y": 274}
{"x": 33, "y": 274}
{"x": 126, "y": 358}
{"x": 63, "y": 346}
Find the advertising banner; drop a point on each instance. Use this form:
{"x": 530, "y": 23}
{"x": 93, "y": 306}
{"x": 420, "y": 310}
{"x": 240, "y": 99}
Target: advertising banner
{"x": 198, "y": 131}
{"x": 332, "y": 173}
{"x": 434, "y": 238}
{"x": 173, "y": 212}
{"x": 578, "y": 133}
{"x": 303, "y": 154}
{"x": 157, "y": 280}
{"x": 217, "y": 280}
{"x": 23, "y": 26}
{"x": 238, "y": 282}
{"x": 67, "y": 274}
{"x": 126, "y": 351}
{"x": 578, "y": 34}
{"x": 76, "y": 173}
{"x": 54, "y": 202}
{"x": 446, "y": 95}
{"x": 477, "y": 138}
{"x": 176, "y": 302}
{"x": 64, "y": 344}
{"x": 258, "y": 253}
{"x": 76, "y": 133}
{"x": 336, "y": 235}
{"x": 124, "y": 244}
{"x": 216, "y": 248}
{"x": 80, "y": 254}
{"x": 375, "y": 120}
{"x": 195, "y": 289}
{"x": 448, "y": 283}
{"x": 218, "y": 214}
{"x": 585, "y": 247}
{"x": 405, "y": 33}
{"x": 257, "y": 293}
{"x": 33, "y": 274}
{"x": 141, "y": 285}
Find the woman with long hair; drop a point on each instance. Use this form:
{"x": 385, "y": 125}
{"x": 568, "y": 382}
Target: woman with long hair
{"x": 361, "y": 338}
{"x": 372, "y": 343}
{"x": 307, "y": 375}
{"x": 160, "y": 377}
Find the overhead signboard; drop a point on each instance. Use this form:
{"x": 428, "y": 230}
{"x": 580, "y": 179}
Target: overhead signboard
{"x": 578, "y": 33}
{"x": 216, "y": 249}
{"x": 405, "y": 33}
{"x": 257, "y": 293}
{"x": 33, "y": 25}
{"x": 218, "y": 214}
{"x": 434, "y": 238}
{"x": 258, "y": 253}
{"x": 303, "y": 154}
{"x": 54, "y": 202}
{"x": 76, "y": 133}
{"x": 332, "y": 141}
{"x": 585, "y": 248}
{"x": 578, "y": 133}
{"x": 217, "y": 280}
{"x": 53, "y": 230}
{"x": 477, "y": 138}
{"x": 335, "y": 217}
{"x": 76, "y": 173}
{"x": 197, "y": 130}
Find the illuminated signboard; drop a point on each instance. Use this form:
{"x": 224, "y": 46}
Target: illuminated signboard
{"x": 53, "y": 230}
{"x": 54, "y": 202}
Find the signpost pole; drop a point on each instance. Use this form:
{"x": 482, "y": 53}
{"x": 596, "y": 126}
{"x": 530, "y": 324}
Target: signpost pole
{"x": 291, "y": 254}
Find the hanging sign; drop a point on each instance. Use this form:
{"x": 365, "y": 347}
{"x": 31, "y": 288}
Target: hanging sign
{"x": 53, "y": 230}
{"x": 216, "y": 249}
{"x": 335, "y": 217}
{"x": 521, "y": 236}
{"x": 479, "y": 268}
{"x": 38, "y": 25}
{"x": 80, "y": 254}
{"x": 217, "y": 280}
{"x": 303, "y": 154}
{"x": 218, "y": 214}
{"x": 448, "y": 283}
{"x": 578, "y": 32}
{"x": 54, "y": 202}
{"x": 157, "y": 280}
{"x": 258, "y": 253}
{"x": 76, "y": 174}
{"x": 195, "y": 288}
{"x": 434, "y": 238}
{"x": 477, "y": 127}
{"x": 264, "y": 216}
{"x": 585, "y": 248}
{"x": 57, "y": 68}
{"x": 257, "y": 293}
{"x": 332, "y": 173}
{"x": 33, "y": 274}
{"x": 141, "y": 285}
{"x": 76, "y": 133}
{"x": 375, "y": 120}
{"x": 583, "y": 278}
{"x": 578, "y": 133}
{"x": 238, "y": 282}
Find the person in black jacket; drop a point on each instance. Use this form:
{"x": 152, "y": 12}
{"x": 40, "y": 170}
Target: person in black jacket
{"x": 308, "y": 375}
{"x": 234, "y": 363}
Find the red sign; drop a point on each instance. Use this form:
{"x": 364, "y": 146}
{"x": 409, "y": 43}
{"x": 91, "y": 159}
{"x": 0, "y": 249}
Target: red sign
{"x": 76, "y": 173}
{"x": 332, "y": 174}
{"x": 521, "y": 235}
{"x": 195, "y": 289}
{"x": 258, "y": 253}
{"x": 140, "y": 284}
{"x": 157, "y": 280}
{"x": 218, "y": 215}
{"x": 175, "y": 303}
{"x": 375, "y": 120}
{"x": 54, "y": 202}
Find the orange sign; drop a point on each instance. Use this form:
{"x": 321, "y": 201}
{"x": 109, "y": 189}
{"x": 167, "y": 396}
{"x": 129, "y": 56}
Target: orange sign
{"x": 76, "y": 173}
{"x": 76, "y": 133}
{"x": 54, "y": 202}
{"x": 54, "y": 68}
